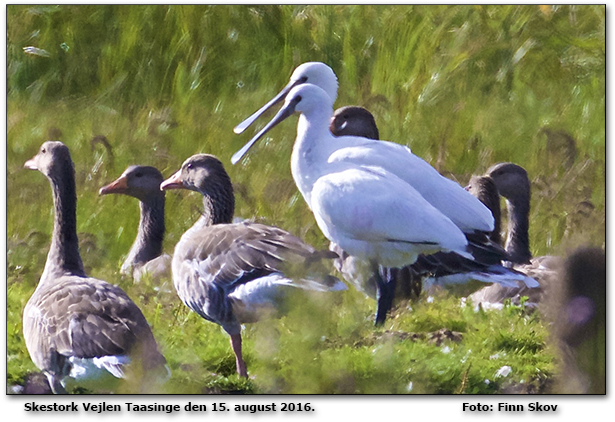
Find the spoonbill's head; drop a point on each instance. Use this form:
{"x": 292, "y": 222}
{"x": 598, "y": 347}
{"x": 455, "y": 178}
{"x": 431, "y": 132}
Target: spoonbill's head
{"x": 354, "y": 121}
{"x": 315, "y": 73}
{"x": 304, "y": 98}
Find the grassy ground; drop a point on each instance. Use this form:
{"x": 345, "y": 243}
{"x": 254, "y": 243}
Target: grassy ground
{"x": 464, "y": 86}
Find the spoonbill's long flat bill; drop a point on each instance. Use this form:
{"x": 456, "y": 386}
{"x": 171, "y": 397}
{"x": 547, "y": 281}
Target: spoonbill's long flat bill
{"x": 315, "y": 73}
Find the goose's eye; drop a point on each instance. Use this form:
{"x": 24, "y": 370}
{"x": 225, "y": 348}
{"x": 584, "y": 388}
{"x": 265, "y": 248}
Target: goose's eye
{"x": 139, "y": 174}
{"x": 43, "y": 150}
{"x": 189, "y": 166}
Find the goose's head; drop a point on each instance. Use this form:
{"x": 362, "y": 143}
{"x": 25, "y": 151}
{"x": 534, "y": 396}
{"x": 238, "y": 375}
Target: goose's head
{"x": 52, "y": 159}
{"x": 141, "y": 182}
{"x": 202, "y": 173}
{"x": 511, "y": 179}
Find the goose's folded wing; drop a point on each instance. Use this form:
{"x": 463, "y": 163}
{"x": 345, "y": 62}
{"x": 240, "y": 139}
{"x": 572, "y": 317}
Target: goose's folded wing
{"x": 233, "y": 254}
{"x": 89, "y": 318}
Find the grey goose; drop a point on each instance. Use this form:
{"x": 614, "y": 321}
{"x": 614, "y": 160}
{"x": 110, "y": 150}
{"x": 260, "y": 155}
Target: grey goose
{"x": 77, "y": 326}
{"x": 145, "y": 255}
{"x": 511, "y": 181}
{"x": 233, "y": 273}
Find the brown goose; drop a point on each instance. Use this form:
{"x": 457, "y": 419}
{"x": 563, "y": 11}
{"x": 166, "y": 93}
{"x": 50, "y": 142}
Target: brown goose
{"x": 73, "y": 324}
{"x": 511, "y": 181}
{"x": 513, "y": 184}
{"x": 233, "y": 273}
{"x": 145, "y": 256}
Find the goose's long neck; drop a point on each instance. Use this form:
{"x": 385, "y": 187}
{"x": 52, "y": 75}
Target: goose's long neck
{"x": 518, "y": 242}
{"x": 218, "y": 207}
{"x": 63, "y": 257}
{"x": 148, "y": 244}
{"x": 312, "y": 147}
{"x": 491, "y": 199}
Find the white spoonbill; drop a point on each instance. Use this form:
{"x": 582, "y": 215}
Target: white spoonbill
{"x": 370, "y": 212}
{"x": 315, "y": 73}
{"x": 467, "y": 212}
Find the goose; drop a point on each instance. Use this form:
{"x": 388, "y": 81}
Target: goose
{"x": 485, "y": 189}
{"x": 511, "y": 181}
{"x": 232, "y": 273}
{"x": 77, "y": 326}
{"x": 358, "y": 203}
{"x": 145, "y": 255}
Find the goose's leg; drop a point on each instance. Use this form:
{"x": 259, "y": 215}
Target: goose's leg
{"x": 55, "y": 384}
{"x": 385, "y": 282}
{"x": 59, "y": 368}
{"x": 241, "y": 365}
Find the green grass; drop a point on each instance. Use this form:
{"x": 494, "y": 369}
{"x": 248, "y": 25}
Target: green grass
{"x": 464, "y": 86}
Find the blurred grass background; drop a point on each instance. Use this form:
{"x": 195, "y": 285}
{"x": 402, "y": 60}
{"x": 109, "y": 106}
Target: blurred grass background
{"x": 464, "y": 86}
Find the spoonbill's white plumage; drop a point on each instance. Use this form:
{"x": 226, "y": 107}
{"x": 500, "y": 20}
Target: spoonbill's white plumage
{"x": 467, "y": 212}
{"x": 358, "y": 121}
{"x": 369, "y": 211}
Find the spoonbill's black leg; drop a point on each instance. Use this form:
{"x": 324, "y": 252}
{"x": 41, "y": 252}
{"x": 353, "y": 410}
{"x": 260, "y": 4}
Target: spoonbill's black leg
{"x": 385, "y": 282}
